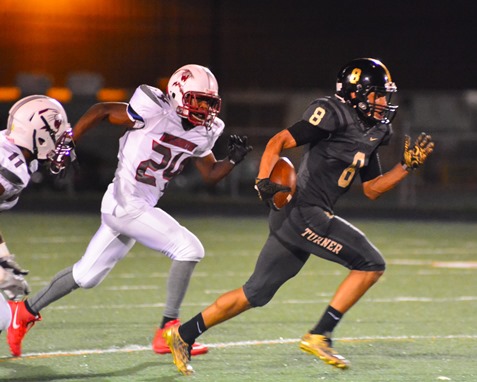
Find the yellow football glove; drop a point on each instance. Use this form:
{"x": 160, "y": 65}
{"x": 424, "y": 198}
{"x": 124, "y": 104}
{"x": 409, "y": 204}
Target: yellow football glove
{"x": 416, "y": 155}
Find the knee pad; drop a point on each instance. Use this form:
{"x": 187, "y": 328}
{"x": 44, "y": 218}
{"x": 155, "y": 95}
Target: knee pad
{"x": 88, "y": 280}
{"x": 372, "y": 266}
{"x": 87, "y": 284}
{"x": 257, "y": 297}
{"x": 189, "y": 249}
{"x": 373, "y": 261}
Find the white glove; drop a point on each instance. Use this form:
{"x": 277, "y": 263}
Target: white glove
{"x": 14, "y": 286}
{"x": 8, "y": 262}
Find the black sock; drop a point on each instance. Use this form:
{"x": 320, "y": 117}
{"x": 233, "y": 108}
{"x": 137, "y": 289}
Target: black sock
{"x": 165, "y": 320}
{"x": 328, "y": 322}
{"x": 27, "y": 306}
{"x": 192, "y": 329}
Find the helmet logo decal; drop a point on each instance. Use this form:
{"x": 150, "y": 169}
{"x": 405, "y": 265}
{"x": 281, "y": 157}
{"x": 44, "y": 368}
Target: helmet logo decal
{"x": 186, "y": 74}
{"x": 48, "y": 127}
{"x": 56, "y": 119}
{"x": 354, "y": 76}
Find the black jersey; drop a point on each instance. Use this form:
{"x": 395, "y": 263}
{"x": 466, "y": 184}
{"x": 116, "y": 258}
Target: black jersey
{"x": 339, "y": 146}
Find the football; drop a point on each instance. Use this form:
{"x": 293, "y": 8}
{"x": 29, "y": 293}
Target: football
{"x": 283, "y": 173}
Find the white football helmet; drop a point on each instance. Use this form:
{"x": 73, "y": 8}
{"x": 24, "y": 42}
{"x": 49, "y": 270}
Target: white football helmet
{"x": 39, "y": 124}
{"x": 194, "y": 93}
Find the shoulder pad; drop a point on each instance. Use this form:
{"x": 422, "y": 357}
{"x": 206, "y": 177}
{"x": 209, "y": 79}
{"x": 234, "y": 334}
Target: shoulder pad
{"x": 147, "y": 102}
{"x": 328, "y": 113}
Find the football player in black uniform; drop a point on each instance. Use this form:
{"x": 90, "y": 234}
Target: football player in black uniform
{"x": 342, "y": 134}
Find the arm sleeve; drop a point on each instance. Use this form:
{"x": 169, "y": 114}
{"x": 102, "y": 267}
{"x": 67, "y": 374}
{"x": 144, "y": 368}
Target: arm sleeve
{"x": 304, "y": 132}
{"x": 373, "y": 169}
{"x": 318, "y": 122}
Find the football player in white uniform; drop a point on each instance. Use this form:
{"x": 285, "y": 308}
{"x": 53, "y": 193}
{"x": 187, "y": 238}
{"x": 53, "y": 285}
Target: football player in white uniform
{"x": 164, "y": 132}
{"x": 37, "y": 130}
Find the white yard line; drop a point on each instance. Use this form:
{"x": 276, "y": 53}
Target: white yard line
{"x": 221, "y": 345}
{"x": 396, "y": 299}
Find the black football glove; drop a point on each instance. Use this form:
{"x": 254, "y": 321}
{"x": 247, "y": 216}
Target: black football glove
{"x": 237, "y": 148}
{"x": 415, "y": 156}
{"x": 8, "y": 262}
{"x": 266, "y": 189}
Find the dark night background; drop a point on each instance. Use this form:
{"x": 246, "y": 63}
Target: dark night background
{"x": 271, "y": 58}
{"x": 254, "y": 44}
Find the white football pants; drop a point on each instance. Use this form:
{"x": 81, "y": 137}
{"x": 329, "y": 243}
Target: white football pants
{"x": 5, "y": 313}
{"x": 153, "y": 228}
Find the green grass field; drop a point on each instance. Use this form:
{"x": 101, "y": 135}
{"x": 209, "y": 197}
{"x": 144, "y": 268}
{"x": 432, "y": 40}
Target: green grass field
{"x": 417, "y": 324}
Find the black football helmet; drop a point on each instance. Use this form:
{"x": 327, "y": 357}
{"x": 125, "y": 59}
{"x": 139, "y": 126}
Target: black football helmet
{"x": 359, "y": 78}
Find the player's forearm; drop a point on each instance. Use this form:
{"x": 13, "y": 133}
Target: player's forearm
{"x": 281, "y": 141}
{"x": 374, "y": 188}
{"x": 218, "y": 171}
{"x": 113, "y": 112}
{"x": 88, "y": 120}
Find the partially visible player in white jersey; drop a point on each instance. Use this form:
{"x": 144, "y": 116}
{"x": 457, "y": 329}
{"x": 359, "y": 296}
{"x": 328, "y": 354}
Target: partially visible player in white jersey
{"x": 37, "y": 130}
{"x": 164, "y": 132}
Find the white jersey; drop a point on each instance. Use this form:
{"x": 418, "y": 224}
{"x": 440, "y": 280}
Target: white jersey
{"x": 14, "y": 172}
{"x": 154, "y": 152}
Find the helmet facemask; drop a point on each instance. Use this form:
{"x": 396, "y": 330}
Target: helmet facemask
{"x": 200, "y": 108}
{"x": 375, "y": 112}
{"x": 193, "y": 93}
{"x": 63, "y": 154}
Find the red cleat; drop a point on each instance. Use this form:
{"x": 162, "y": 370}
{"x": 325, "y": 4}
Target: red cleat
{"x": 160, "y": 347}
{"x": 22, "y": 321}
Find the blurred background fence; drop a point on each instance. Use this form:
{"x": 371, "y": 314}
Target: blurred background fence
{"x": 271, "y": 59}
{"x": 445, "y": 186}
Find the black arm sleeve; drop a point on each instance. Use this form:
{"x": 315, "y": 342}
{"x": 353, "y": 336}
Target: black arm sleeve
{"x": 304, "y": 132}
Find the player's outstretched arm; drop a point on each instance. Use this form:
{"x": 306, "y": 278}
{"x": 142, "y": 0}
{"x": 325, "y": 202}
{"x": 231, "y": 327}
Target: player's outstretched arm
{"x": 212, "y": 170}
{"x": 374, "y": 188}
{"x": 113, "y": 112}
{"x": 413, "y": 157}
